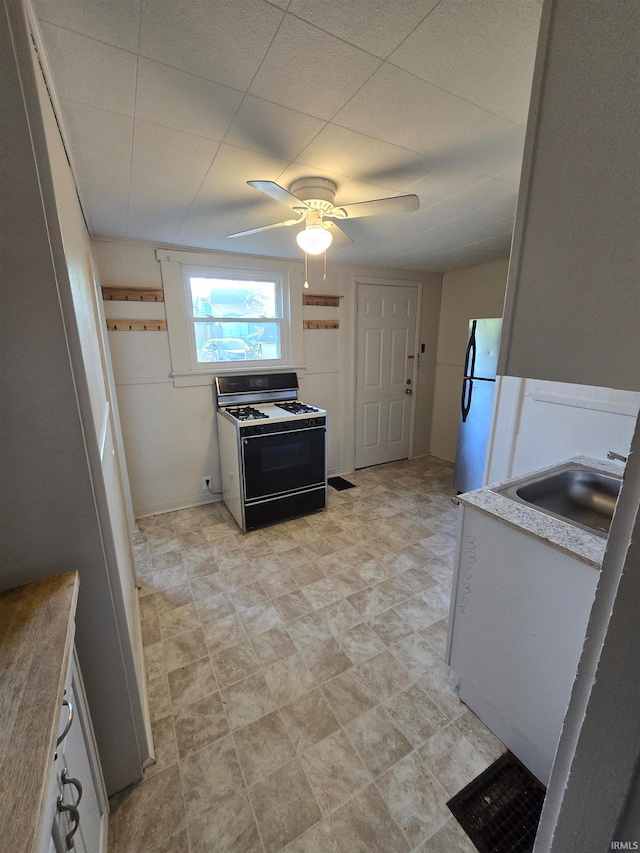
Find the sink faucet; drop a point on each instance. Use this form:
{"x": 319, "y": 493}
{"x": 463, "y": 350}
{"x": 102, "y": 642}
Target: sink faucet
{"x": 613, "y": 455}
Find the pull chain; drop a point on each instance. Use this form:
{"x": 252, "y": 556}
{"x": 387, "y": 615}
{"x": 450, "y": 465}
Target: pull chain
{"x": 306, "y": 280}
{"x": 324, "y": 277}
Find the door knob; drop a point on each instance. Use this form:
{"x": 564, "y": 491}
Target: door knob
{"x": 408, "y": 391}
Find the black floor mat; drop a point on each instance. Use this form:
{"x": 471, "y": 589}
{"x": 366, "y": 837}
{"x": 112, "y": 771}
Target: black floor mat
{"x": 340, "y": 483}
{"x": 500, "y": 810}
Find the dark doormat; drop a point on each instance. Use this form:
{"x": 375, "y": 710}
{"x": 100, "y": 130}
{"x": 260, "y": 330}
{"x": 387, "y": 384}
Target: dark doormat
{"x": 340, "y": 483}
{"x": 500, "y": 810}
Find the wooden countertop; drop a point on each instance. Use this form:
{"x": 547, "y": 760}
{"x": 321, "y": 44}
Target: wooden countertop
{"x": 36, "y": 640}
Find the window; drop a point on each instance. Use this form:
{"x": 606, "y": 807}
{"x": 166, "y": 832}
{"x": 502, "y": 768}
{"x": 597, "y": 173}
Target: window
{"x": 228, "y": 317}
{"x": 235, "y": 318}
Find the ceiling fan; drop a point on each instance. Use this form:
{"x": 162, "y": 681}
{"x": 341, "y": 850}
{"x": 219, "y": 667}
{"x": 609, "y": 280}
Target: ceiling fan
{"x": 312, "y": 200}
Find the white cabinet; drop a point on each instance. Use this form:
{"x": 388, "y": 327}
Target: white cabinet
{"x": 78, "y": 803}
{"x": 518, "y": 618}
{"x": 572, "y": 304}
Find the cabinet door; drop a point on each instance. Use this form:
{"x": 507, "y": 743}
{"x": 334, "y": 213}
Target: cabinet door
{"x": 77, "y": 759}
{"x": 572, "y": 304}
{"x": 517, "y": 625}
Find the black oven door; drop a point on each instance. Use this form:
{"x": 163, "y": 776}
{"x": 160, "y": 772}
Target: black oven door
{"x": 283, "y": 462}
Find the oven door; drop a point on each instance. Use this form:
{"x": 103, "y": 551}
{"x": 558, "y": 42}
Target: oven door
{"x": 283, "y": 462}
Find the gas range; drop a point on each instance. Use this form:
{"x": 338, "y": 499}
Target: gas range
{"x": 272, "y": 448}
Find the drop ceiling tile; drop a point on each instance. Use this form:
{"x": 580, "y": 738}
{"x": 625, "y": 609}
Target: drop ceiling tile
{"x": 100, "y": 144}
{"x": 419, "y": 224}
{"x": 225, "y": 187}
{"x": 346, "y": 152}
{"x": 484, "y": 194}
{"x": 206, "y": 230}
{"x": 267, "y": 127}
{"x": 444, "y": 183}
{"x": 219, "y": 40}
{"x": 505, "y": 207}
{"x": 311, "y": 71}
{"x": 483, "y": 33}
{"x": 167, "y": 170}
{"x": 116, "y": 22}
{"x": 91, "y": 72}
{"x": 403, "y": 110}
{"x": 154, "y": 227}
{"x": 184, "y": 102}
{"x": 376, "y": 26}
{"x": 507, "y": 90}
{"x": 511, "y": 174}
{"x": 490, "y": 156}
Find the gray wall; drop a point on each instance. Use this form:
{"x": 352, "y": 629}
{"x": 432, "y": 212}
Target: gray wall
{"x": 573, "y": 298}
{"x": 53, "y": 498}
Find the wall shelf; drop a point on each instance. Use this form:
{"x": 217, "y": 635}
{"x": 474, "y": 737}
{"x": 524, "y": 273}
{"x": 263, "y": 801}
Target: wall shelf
{"x": 328, "y": 300}
{"x": 132, "y": 294}
{"x": 320, "y": 324}
{"x": 136, "y": 325}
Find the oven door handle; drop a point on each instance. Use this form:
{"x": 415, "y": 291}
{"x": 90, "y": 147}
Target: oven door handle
{"x": 284, "y": 432}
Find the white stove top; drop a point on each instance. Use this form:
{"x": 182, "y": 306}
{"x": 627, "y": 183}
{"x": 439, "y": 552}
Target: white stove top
{"x": 272, "y": 413}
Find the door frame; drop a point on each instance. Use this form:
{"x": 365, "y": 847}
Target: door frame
{"x": 353, "y": 360}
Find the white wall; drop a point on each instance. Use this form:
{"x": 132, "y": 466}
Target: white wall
{"x": 473, "y": 292}
{"x": 170, "y": 433}
{"x": 539, "y": 423}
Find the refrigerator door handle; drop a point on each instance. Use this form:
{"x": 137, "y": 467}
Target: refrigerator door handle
{"x": 468, "y": 352}
{"x": 470, "y": 355}
{"x": 465, "y": 402}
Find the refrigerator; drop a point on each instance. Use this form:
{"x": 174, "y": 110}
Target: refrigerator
{"x": 476, "y": 402}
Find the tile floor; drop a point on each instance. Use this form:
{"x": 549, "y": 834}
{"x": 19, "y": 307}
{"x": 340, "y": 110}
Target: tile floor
{"x": 299, "y": 697}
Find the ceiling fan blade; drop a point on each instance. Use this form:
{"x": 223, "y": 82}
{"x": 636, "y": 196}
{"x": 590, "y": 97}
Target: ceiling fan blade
{"x": 381, "y": 206}
{"x": 277, "y": 192}
{"x": 265, "y": 228}
{"x": 340, "y": 237}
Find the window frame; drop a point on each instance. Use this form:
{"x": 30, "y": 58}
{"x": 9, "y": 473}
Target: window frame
{"x": 176, "y": 269}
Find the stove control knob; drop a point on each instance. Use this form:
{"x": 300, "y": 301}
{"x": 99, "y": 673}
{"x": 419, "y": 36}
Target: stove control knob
{"x": 311, "y": 422}
{"x": 257, "y": 429}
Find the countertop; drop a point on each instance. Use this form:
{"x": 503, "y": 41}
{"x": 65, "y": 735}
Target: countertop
{"x": 584, "y": 546}
{"x": 36, "y": 641}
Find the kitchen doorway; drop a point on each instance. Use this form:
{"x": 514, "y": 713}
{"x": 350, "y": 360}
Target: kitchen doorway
{"x": 385, "y": 372}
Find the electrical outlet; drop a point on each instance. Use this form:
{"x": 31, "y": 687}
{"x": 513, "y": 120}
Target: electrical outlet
{"x": 206, "y": 483}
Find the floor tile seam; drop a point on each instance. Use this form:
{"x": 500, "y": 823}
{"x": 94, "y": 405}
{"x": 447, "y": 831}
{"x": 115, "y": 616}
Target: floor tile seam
{"x": 328, "y": 815}
{"x": 313, "y": 793}
{"x": 206, "y": 696}
{"x": 184, "y": 802}
{"x": 447, "y": 796}
{"x": 244, "y": 778}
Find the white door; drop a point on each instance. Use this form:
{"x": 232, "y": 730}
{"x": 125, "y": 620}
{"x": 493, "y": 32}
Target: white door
{"x": 386, "y": 333}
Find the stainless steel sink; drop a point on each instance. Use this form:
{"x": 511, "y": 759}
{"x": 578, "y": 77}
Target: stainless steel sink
{"x": 579, "y": 495}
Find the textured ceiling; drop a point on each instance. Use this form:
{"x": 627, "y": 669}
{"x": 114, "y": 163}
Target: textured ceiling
{"x": 172, "y": 105}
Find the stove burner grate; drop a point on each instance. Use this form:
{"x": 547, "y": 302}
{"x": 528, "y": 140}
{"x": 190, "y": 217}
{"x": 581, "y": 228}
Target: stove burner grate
{"x": 246, "y": 413}
{"x": 296, "y": 408}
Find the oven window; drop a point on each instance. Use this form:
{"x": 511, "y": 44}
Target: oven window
{"x": 236, "y": 319}
{"x": 274, "y": 464}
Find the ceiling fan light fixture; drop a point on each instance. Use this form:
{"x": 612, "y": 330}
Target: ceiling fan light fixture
{"x": 314, "y": 240}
